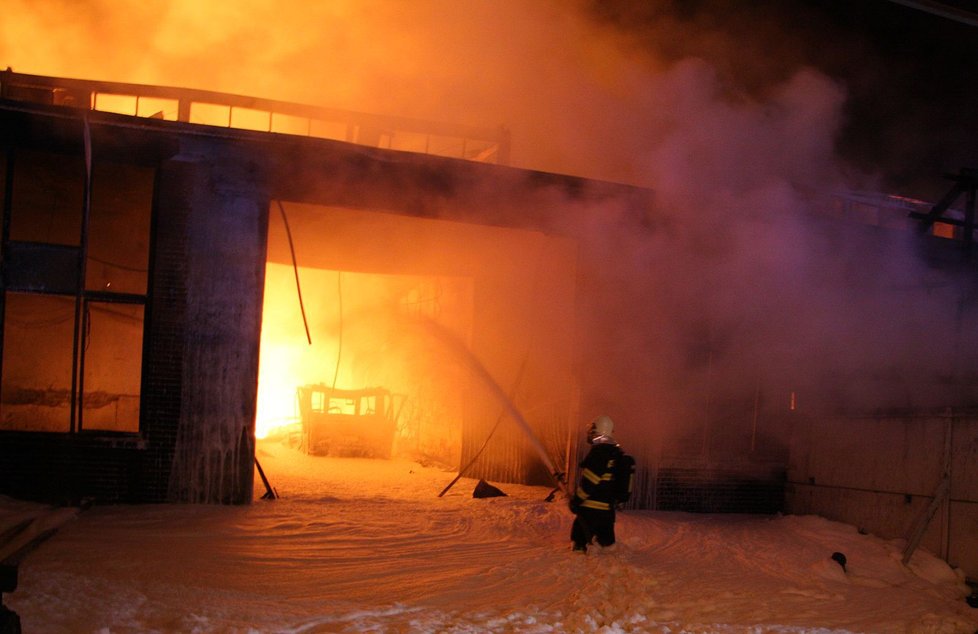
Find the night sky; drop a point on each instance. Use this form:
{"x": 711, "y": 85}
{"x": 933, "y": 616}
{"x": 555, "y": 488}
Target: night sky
{"x": 912, "y": 110}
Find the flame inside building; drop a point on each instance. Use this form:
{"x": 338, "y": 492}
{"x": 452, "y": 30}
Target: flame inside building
{"x": 172, "y": 293}
{"x": 367, "y": 286}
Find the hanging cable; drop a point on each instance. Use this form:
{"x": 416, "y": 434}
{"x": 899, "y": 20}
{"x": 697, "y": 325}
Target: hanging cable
{"x": 295, "y": 268}
{"x": 339, "y": 336}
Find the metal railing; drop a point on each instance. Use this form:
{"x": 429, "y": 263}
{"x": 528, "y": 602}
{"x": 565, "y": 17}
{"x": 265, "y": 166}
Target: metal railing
{"x": 486, "y": 145}
{"x": 893, "y": 212}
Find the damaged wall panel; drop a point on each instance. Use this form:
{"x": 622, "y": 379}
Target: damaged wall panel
{"x": 840, "y": 469}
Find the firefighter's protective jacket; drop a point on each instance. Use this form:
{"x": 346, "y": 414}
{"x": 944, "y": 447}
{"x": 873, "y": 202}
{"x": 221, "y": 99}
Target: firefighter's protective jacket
{"x": 595, "y": 490}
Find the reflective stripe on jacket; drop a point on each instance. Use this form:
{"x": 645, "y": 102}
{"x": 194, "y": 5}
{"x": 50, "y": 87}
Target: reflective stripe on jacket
{"x": 597, "y": 471}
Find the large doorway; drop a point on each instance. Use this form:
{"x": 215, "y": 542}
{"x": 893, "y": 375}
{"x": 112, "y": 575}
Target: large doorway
{"x": 374, "y": 323}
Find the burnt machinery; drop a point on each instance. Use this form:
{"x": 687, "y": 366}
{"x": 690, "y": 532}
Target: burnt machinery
{"x": 352, "y": 423}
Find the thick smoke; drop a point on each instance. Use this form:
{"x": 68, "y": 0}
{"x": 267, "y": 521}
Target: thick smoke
{"x": 733, "y": 286}
{"x": 578, "y": 97}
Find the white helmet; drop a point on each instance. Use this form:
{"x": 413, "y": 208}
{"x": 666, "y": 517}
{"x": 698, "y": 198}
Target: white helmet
{"x": 601, "y": 427}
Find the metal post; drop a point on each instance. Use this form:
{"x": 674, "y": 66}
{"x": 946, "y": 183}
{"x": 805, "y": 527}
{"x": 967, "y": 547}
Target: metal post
{"x": 941, "y": 495}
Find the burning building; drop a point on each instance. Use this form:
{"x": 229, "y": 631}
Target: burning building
{"x": 173, "y": 289}
{"x": 185, "y": 271}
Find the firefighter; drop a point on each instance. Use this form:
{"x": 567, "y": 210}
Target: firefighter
{"x": 593, "y": 504}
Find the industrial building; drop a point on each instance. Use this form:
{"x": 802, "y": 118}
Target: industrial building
{"x": 183, "y": 271}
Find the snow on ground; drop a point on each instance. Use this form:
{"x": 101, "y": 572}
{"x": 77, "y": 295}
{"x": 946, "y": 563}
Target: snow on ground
{"x": 356, "y": 545}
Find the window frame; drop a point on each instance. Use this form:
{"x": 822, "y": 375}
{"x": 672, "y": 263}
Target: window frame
{"x": 17, "y": 277}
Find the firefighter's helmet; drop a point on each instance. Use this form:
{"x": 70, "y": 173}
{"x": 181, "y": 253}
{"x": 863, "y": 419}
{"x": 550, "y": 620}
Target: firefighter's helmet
{"x": 600, "y": 426}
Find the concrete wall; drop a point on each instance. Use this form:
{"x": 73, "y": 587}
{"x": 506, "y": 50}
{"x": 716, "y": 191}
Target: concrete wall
{"x": 881, "y": 474}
